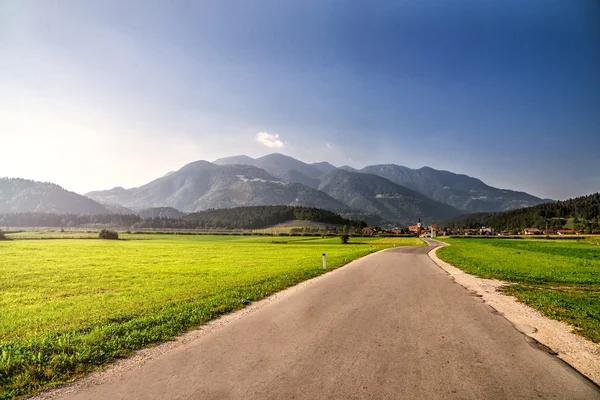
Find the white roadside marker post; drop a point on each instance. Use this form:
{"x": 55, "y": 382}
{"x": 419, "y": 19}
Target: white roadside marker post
{"x": 324, "y": 261}
{"x": 371, "y": 249}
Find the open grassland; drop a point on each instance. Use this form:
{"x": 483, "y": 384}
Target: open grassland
{"x": 69, "y": 306}
{"x": 287, "y": 227}
{"x": 561, "y": 278}
{"x": 50, "y": 234}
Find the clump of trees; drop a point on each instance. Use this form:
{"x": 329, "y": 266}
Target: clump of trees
{"x": 344, "y": 236}
{"x": 108, "y": 234}
{"x": 2, "y": 236}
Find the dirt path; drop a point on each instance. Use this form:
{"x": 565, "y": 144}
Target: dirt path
{"x": 391, "y": 325}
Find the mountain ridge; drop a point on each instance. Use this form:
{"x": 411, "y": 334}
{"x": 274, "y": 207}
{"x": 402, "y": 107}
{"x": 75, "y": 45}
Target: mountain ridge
{"x": 459, "y": 190}
{"x": 466, "y": 193}
{"x": 202, "y": 185}
{"x": 18, "y": 195}
{"x": 380, "y": 194}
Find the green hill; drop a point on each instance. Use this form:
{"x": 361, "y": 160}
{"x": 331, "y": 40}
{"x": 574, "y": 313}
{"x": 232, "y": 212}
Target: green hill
{"x": 578, "y": 213}
{"x": 264, "y": 216}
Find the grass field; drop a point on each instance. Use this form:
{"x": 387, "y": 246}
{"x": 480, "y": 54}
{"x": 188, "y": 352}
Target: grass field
{"x": 561, "y": 278}
{"x": 69, "y": 306}
{"x": 286, "y": 227}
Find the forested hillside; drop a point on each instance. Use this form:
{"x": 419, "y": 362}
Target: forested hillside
{"x": 226, "y": 218}
{"x": 375, "y": 195}
{"x": 255, "y": 217}
{"x": 66, "y": 220}
{"x": 24, "y": 196}
{"x": 460, "y": 191}
{"x": 584, "y": 213}
{"x": 200, "y": 186}
{"x": 264, "y": 216}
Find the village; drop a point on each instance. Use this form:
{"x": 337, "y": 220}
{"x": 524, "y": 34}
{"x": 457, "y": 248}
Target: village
{"x": 433, "y": 231}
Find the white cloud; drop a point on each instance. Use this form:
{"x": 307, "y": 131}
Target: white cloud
{"x": 270, "y": 140}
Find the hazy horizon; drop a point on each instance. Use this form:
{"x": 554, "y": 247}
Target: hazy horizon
{"x": 104, "y": 94}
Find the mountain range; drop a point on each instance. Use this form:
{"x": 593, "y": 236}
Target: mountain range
{"x": 379, "y": 194}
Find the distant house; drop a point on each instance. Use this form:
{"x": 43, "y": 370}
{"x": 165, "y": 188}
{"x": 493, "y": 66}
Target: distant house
{"x": 367, "y": 231}
{"x": 486, "y": 231}
{"x": 395, "y": 231}
{"x": 414, "y": 229}
{"x": 565, "y": 232}
{"x": 532, "y": 231}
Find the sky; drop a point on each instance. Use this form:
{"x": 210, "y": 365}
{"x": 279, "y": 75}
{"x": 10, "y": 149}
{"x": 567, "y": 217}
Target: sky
{"x": 95, "y": 95}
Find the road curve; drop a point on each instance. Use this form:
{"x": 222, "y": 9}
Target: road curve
{"x": 389, "y": 326}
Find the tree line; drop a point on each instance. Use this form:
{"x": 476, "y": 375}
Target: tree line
{"x": 585, "y": 212}
{"x": 228, "y": 218}
{"x": 255, "y": 217}
{"x": 67, "y": 220}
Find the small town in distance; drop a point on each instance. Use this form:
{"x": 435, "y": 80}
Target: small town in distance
{"x": 433, "y": 231}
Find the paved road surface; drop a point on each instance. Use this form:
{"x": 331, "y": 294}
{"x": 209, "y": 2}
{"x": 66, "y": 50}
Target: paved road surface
{"x": 389, "y": 326}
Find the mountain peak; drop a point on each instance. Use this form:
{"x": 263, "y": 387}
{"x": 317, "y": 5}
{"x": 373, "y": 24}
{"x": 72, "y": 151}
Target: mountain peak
{"x": 348, "y": 168}
{"x": 240, "y": 159}
{"x": 200, "y": 164}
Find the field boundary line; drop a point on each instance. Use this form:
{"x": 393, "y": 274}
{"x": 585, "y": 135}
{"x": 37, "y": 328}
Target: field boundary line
{"x": 578, "y": 352}
{"x": 118, "y": 368}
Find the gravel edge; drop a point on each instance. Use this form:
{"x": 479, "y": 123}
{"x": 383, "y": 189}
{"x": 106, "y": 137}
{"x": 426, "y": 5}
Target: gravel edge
{"x": 580, "y": 353}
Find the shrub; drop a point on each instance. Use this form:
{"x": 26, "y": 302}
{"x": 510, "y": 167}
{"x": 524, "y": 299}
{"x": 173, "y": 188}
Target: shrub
{"x": 344, "y": 238}
{"x": 106, "y": 234}
{"x": 2, "y": 237}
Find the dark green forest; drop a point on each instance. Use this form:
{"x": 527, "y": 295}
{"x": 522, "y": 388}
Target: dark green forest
{"x": 585, "y": 212}
{"x": 250, "y": 218}
{"x": 67, "y": 220}
{"x": 227, "y": 218}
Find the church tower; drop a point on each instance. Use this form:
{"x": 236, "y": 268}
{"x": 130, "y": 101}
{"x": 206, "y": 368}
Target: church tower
{"x": 419, "y": 224}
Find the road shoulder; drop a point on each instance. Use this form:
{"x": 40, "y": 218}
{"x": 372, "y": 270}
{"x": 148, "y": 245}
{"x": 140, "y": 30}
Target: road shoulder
{"x": 581, "y": 354}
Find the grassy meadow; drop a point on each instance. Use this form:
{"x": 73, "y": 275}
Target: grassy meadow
{"x": 561, "y": 278}
{"x": 70, "y": 306}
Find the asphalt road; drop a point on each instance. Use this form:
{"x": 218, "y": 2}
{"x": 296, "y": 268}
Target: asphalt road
{"x": 392, "y": 325}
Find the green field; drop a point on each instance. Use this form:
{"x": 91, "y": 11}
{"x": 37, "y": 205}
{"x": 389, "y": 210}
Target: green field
{"x": 69, "y": 306}
{"x": 561, "y": 278}
{"x": 286, "y": 227}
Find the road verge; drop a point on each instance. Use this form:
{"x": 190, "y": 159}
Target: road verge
{"x": 581, "y": 354}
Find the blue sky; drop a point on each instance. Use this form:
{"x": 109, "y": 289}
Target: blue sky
{"x": 117, "y": 93}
